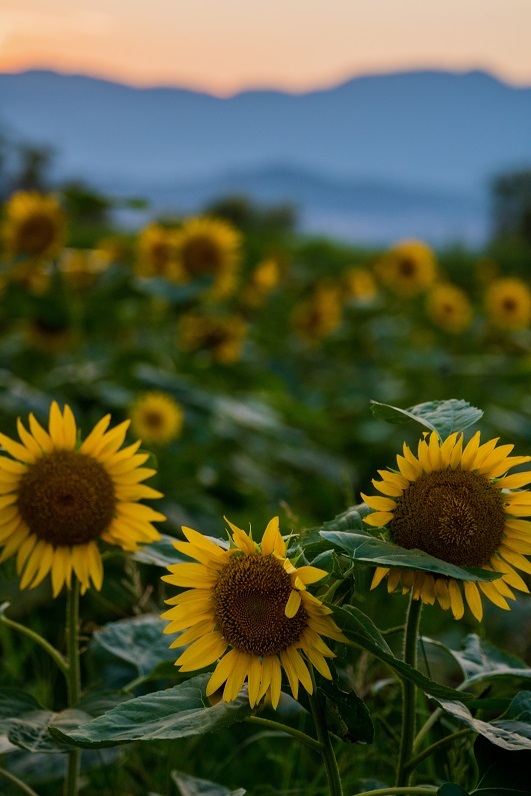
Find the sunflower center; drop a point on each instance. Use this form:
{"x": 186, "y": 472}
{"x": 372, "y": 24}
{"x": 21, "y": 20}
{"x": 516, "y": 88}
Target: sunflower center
{"x": 201, "y": 255}
{"x": 407, "y": 268}
{"x": 153, "y": 419}
{"x": 250, "y": 598}
{"x": 66, "y": 498}
{"x": 36, "y": 234}
{"x": 509, "y": 304}
{"x": 455, "y": 515}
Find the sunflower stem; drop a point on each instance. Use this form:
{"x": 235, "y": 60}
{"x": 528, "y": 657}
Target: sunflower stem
{"x": 297, "y": 734}
{"x": 17, "y": 782}
{"x": 26, "y": 631}
{"x": 73, "y": 680}
{"x": 442, "y": 742}
{"x": 327, "y": 750}
{"x": 409, "y": 693}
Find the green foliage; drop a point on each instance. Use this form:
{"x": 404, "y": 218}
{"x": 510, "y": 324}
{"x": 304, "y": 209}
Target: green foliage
{"x": 444, "y": 417}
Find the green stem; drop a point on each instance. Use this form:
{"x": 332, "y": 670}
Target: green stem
{"x": 16, "y": 781}
{"x": 26, "y": 631}
{"x": 409, "y": 692}
{"x": 276, "y": 725}
{"x": 425, "y": 791}
{"x": 327, "y": 750}
{"x": 73, "y": 680}
{"x": 448, "y": 739}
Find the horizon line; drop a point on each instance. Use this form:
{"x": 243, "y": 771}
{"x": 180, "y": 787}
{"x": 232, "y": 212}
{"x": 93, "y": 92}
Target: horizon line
{"x": 325, "y": 86}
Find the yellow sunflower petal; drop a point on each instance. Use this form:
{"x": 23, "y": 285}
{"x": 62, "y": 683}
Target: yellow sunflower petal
{"x": 41, "y": 436}
{"x": 473, "y": 599}
{"x": 202, "y": 652}
{"x": 456, "y": 599}
{"x": 379, "y": 574}
{"x": 293, "y": 604}
{"x": 241, "y": 539}
{"x": 28, "y": 440}
{"x": 272, "y": 540}
{"x": 490, "y": 591}
{"x": 222, "y": 671}
{"x": 254, "y": 678}
{"x": 235, "y": 680}
{"x": 441, "y": 593}
{"x": 56, "y": 426}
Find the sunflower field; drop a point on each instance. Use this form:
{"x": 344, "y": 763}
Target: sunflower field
{"x": 264, "y": 512}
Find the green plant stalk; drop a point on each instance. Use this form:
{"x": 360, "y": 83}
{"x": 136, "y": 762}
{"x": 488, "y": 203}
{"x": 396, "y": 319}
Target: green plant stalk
{"x": 73, "y": 680}
{"x": 446, "y": 741}
{"x": 312, "y": 743}
{"x": 409, "y": 693}
{"x": 421, "y": 791}
{"x": 327, "y": 750}
{"x": 16, "y": 781}
{"x": 26, "y": 631}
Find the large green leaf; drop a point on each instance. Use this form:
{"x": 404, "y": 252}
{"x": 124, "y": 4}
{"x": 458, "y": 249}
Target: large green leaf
{"x": 500, "y": 772}
{"x": 367, "y": 549}
{"x": 511, "y": 732}
{"x": 360, "y": 633}
{"x": 480, "y": 660}
{"x": 139, "y": 641}
{"x": 25, "y": 722}
{"x": 347, "y": 715}
{"x": 191, "y": 786}
{"x": 176, "y": 712}
{"x": 444, "y": 417}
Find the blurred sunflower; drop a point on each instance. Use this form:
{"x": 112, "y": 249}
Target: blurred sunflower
{"x": 261, "y": 282}
{"x": 408, "y": 268}
{"x": 59, "y": 496}
{"x": 508, "y": 303}
{"x": 156, "y": 417}
{"x": 81, "y": 267}
{"x": 209, "y": 247}
{"x": 156, "y": 253}
{"x": 34, "y": 226}
{"x": 359, "y": 284}
{"x": 253, "y": 600}
{"x": 222, "y": 336}
{"x": 452, "y": 502}
{"x": 449, "y": 308}
{"x": 319, "y": 315}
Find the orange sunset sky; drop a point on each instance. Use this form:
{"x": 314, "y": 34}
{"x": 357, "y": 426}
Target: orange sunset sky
{"x": 222, "y": 46}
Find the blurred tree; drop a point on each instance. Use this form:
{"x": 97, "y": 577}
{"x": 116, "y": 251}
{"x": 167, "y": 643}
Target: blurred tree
{"x": 511, "y": 206}
{"x": 84, "y": 204}
{"x": 247, "y": 215}
{"x": 34, "y": 166}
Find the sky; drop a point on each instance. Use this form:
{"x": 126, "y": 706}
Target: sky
{"x": 223, "y": 46}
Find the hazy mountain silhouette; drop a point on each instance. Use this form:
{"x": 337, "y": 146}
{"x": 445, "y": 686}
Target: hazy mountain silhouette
{"x": 406, "y": 146}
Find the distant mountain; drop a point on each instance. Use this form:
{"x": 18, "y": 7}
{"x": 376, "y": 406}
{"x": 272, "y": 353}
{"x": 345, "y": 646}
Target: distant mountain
{"x": 442, "y": 133}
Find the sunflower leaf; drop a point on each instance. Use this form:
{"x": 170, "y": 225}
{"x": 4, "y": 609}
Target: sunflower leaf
{"x": 178, "y": 712}
{"x": 479, "y": 660}
{"x": 444, "y": 417}
{"x": 500, "y": 772}
{"x": 25, "y": 722}
{"x": 138, "y": 641}
{"x": 347, "y": 715}
{"x": 192, "y": 786}
{"x": 365, "y": 635}
{"x": 364, "y": 548}
{"x": 512, "y": 731}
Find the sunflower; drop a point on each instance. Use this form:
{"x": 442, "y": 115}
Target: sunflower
{"x": 449, "y": 308}
{"x": 262, "y": 281}
{"x": 156, "y": 417}
{"x": 34, "y": 226}
{"x": 359, "y": 284}
{"x": 59, "y": 496}
{"x": 156, "y": 252}
{"x": 209, "y": 247}
{"x": 252, "y": 601}
{"x": 82, "y": 267}
{"x": 221, "y": 336}
{"x": 408, "y": 268}
{"x": 508, "y": 303}
{"x": 319, "y": 315}
{"x": 453, "y": 502}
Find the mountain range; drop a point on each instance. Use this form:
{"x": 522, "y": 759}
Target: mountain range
{"x": 375, "y": 158}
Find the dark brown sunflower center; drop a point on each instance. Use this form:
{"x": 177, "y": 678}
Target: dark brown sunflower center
{"x": 455, "y": 515}
{"x": 509, "y": 304}
{"x": 201, "y": 255}
{"x": 66, "y": 498}
{"x": 250, "y": 598}
{"x": 160, "y": 254}
{"x": 407, "y": 268}
{"x": 36, "y": 234}
{"x": 153, "y": 419}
